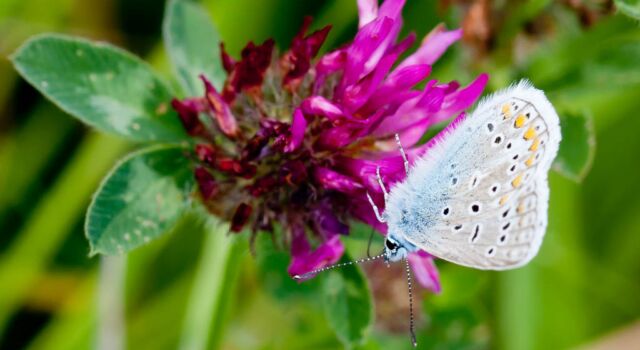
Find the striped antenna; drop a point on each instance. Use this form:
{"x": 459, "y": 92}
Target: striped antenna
{"x": 359, "y": 261}
{"x": 414, "y": 342}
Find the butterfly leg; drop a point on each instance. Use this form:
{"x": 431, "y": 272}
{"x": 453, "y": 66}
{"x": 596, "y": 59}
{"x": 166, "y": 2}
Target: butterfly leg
{"x": 375, "y": 209}
{"x": 384, "y": 190}
{"x": 404, "y": 155}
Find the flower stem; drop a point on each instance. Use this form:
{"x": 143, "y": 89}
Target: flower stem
{"x": 111, "y": 332}
{"x": 205, "y": 302}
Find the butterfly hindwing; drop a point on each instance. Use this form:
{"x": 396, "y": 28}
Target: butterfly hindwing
{"x": 479, "y": 197}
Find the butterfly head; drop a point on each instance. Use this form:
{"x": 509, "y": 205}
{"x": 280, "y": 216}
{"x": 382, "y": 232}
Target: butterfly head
{"x": 396, "y": 249}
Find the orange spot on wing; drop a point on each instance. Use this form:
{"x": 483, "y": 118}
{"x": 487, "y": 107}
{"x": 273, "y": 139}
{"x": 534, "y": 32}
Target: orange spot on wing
{"x": 517, "y": 181}
{"x": 506, "y": 110}
{"x": 529, "y": 134}
{"x": 504, "y": 199}
{"x": 520, "y": 120}
{"x": 529, "y": 162}
{"x": 535, "y": 145}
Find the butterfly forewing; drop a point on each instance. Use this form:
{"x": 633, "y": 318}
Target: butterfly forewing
{"x": 483, "y": 188}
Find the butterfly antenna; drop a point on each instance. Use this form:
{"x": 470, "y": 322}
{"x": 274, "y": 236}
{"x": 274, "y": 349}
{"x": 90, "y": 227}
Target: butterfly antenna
{"x": 331, "y": 267}
{"x": 411, "y": 322}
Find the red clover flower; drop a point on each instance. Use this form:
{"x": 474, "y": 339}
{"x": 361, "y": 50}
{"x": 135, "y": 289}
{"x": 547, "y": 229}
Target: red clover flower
{"x": 294, "y": 142}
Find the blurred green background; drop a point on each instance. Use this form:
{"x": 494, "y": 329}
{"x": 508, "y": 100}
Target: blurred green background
{"x": 582, "y": 291}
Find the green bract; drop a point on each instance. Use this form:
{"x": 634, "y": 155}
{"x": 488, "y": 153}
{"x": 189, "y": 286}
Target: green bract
{"x": 577, "y": 148}
{"x": 192, "y": 44}
{"x": 117, "y": 93}
{"x": 142, "y": 197}
{"x": 347, "y": 304}
{"x": 103, "y": 86}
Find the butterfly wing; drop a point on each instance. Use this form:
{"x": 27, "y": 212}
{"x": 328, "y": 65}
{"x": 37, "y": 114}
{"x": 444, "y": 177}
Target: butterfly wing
{"x": 479, "y": 197}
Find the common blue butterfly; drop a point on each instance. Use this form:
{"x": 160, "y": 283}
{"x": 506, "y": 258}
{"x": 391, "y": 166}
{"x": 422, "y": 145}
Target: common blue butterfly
{"x": 479, "y": 196}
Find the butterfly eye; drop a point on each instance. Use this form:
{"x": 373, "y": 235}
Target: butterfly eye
{"x": 390, "y": 245}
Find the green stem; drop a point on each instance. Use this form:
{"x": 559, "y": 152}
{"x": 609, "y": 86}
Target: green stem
{"x": 515, "y": 294}
{"x": 111, "y": 303}
{"x": 205, "y": 301}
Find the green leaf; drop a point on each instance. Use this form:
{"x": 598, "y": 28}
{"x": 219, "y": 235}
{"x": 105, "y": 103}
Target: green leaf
{"x": 347, "y": 304}
{"x": 192, "y": 43}
{"x": 577, "y": 147}
{"x": 629, "y": 8}
{"x": 104, "y": 86}
{"x": 143, "y": 197}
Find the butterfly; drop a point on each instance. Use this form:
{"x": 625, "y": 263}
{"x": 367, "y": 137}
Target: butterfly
{"x": 479, "y": 195}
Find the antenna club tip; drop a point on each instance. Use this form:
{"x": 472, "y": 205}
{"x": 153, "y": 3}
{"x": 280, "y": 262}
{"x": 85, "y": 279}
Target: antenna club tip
{"x": 414, "y": 342}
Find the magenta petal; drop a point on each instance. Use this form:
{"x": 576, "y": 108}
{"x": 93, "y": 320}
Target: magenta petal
{"x": 368, "y": 39}
{"x": 336, "y": 137}
{"x": 367, "y": 11}
{"x": 326, "y": 254}
{"x": 188, "y": 111}
{"x": 361, "y": 209}
{"x": 460, "y": 100}
{"x": 407, "y": 77}
{"x": 358, "y": 94}
{"x": 299, "y": 243}
{"x": 440, "y": 136}
{"x": 318, "y": 105}
{"x": 326, "y": 222}
{"x": 364, "y": 171}
{"x": 206, "y": 183}
{"x": 332, "y": 180}
{"x": 433, "y": 46}
{"x": 220, "y": 109}
{"x": 445, "y": 105}
{"x": 391, "y": 8}
{"x": 425, "y": 271}
{"x": 298, "y": 128}
{"x": 399, "y": 80}
{"x": 328, "y": 64}
{"x": 411, "y": 112}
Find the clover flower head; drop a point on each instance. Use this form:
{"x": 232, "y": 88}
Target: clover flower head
{"x": 294, "y": 140}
